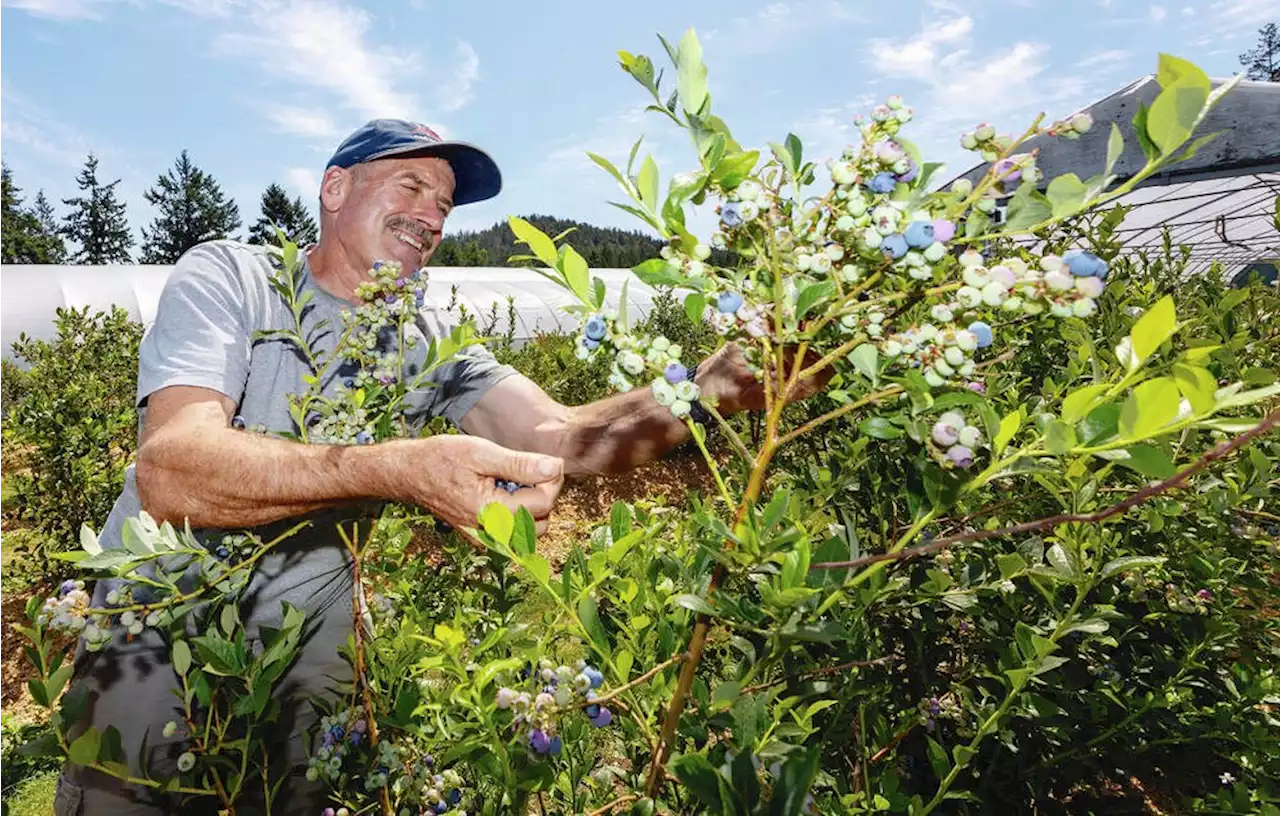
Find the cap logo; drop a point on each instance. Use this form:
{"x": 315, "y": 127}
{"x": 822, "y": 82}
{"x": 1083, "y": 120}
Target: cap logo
{"x": 423, "y": 130}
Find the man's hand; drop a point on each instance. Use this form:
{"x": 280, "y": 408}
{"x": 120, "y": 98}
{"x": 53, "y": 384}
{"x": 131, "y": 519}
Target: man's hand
{"x": 455, "y": 476}
{"x": 725, "y": 376}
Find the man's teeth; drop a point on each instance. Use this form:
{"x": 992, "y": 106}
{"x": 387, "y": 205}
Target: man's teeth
{"x": 410, "y": 240}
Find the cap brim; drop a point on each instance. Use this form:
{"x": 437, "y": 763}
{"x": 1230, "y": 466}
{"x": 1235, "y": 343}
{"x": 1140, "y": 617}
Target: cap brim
{"x": 476, "y": 174}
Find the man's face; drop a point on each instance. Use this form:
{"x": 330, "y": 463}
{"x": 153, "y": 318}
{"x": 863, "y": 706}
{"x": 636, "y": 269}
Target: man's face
{"x": 391, "y": 209}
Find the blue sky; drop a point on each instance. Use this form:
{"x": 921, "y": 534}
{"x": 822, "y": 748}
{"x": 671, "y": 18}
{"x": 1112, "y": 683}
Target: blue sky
{"x": 263, "y": 90}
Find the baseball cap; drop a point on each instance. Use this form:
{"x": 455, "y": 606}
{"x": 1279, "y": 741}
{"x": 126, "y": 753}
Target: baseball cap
{"x": 476, "y": 173}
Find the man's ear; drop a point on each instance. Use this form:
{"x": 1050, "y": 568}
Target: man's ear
{"x": 335, "y": 187}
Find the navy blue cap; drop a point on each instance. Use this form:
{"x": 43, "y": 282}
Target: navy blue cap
{"x": 476, "y": 173}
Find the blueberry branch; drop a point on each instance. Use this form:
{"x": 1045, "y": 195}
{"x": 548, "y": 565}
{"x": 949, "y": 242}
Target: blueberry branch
{"x": 1140, "y": 497}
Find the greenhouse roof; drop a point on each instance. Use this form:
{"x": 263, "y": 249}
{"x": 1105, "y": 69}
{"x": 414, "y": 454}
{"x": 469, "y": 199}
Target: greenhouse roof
{"x": 1220, "y": 202}
{"x": 33, "y": 293}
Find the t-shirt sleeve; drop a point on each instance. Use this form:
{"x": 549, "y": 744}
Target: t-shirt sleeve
{"x": 200, "y": 336}
{"x": 460, "y": 383}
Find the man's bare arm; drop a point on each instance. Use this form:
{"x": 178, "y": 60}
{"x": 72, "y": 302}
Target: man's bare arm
{"x": 193, "y": 466}
{"x": 616, "y": 433}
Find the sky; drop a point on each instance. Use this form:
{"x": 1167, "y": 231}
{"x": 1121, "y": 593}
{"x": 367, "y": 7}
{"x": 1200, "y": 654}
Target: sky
{"x": 262, "y": 91}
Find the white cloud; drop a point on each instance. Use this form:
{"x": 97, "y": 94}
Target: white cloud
{"x": 1188, "y": 11}
{"x": 1103, "y": 58}
{"x": 316, "y": 124}
{"x": 777, "y": 25}
{"x": 27, "y": 124}
{"x": 59, "y": 9}
{"x": 303, "y": 181}
{"x": 1157, "y": 13}
{"x": 455, "y": 91}
{"x": 920, "y": 57}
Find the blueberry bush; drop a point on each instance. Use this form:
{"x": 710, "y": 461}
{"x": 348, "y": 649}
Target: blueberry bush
{"x": 1034, "y": 550}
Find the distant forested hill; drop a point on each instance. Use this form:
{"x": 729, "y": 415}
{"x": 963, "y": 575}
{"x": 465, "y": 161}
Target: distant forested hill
{"x": 603, "y": 247}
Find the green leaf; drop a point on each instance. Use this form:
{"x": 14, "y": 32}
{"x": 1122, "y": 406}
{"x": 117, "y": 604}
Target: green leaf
{"x": 1061, "y": 561}
{"x": 498, "y": 522}
{"x": 1009, "y": 426}
{"x": 613, "y": 171}
{"x": 1171, "y": 70}
{"x": 1115, "y": 146}
{"x": 1151, "y": 406}
{"x": 623, "y": 660}
{"x": 1149, "y": 461}
{"x": 1153, "y": 328}
{"x": 1081, "y": 401}
{"x": 866, "y": 359}
{"x": 576, "y": 274}
{"x": 1131, "y": 562}
{"x": 524, "y": 532}
{"x": 1065, "y": 194}
{"x": 647, "y": 184}
{"x": 537, "y": 567}
{"x": 962, "y": 753}
{"x": 795, "y": 783}
{"x": 538, "y": 241}
{"x": 880, "y": 428}
{"x": 938, "y": 759}
{"x": 221, "y": 657}
{"x": 1102, "y": 423}
{"x": 1010, "y": 564}
{"x": 1027, "y": 208}
{"x": 1174, "y": 112}
{"x": 1140, "y": 128}
{"x": 84, "y": 750}
{"x": 696, "y": 773}
{"x": 589, "y": 614}
{"x": 811, "y": 295}
{"x": 1059, "y": 437}
{"x": 1197, "y": 385}
{"x": 726, "y": 693}
{"x": 691, "y": 74}
{"x": 694, "y": 603}
{"x": 733, "y": 168}
{"x": 658, "y": 272}
{"x": 695, "y": 303}
{"x": 619, "y": 520}
{"x": 89, "y": 540}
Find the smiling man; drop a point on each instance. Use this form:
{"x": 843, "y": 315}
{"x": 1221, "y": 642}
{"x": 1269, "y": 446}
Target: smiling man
{"x": 203, "y": 378}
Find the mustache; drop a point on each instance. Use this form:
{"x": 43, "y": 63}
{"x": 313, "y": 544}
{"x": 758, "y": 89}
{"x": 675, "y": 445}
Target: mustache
{"x": 412, "y": 227}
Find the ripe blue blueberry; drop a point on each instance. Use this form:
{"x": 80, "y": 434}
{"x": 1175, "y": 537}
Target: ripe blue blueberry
{"x": 597, "y": 679}
{"x": 919, "y": 234}
{"x": 596, "y": 328}
{"x": 455, "y": 796}
{"x": 590, "y": 344}
{"x": 602, "y": 718}
{"x": 237, "y": 422}
{"x": 881, "y": 183}
{"x": 364, "y": 438}
{"x": 912, "y": 171}
{"x": 729, "y": 302}
{"x": 895, "y": 245}
{"x": 539, "y": 741}
{"x": 349, "y": 382}
{"x": 676, "y": 373}
{"x": 592, "y": 711}
{"x": 222, "y": 553}
{"x": 1085, "y": 264}
{"x": 982, "y": 331}
{"x": 961, "y": 456}
{"x": 555, "y": 746}
{"x": 731, "y": 214}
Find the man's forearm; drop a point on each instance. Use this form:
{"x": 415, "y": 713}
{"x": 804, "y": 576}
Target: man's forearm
{"x": 232, "y": 479}
{"x": 619, "y": 433}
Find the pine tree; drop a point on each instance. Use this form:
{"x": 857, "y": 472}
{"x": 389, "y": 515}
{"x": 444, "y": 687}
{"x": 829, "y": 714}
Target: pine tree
{"x": 26, "y": 238}
{"x": 290, "y": 216}
{"x": 97, "y": 222}
{"x": 1263, "y": 62}
{"x": 193, "y": 209}
{"x": 43, "y": 211}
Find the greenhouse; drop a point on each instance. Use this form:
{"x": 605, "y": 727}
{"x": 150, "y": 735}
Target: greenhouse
{"x": 33, "y": 294}
{"x": 1220, "y": 203}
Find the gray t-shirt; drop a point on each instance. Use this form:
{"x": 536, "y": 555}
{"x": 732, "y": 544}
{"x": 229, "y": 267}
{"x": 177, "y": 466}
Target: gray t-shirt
{"x": 218, "y": 296}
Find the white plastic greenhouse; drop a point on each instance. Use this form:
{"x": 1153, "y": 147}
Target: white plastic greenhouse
{"x": 32, "y": 294}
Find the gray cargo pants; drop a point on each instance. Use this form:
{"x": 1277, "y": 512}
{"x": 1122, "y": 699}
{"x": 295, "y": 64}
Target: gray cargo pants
{"x": 132, "y": 686}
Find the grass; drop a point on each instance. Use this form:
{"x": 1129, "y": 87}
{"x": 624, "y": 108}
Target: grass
{"x": 33, "y": 796}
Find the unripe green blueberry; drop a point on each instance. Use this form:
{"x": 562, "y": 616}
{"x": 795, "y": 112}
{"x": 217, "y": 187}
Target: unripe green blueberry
{"x": 986, "y": 205}
{"x": 990, "y": 155}
{"x": 835, "y": 252}
{"x": 1033, "y": 307}
{"x": 975, "y": 276}
{"x": 850, "y": 273}
{"x": 920, "y": 272}
{"x": 875, "y": 330}
{"x": 843, "y": 172}
{"x": 941, "y": 313}
{"x": 931, "y": 377}
{"x": 966, "y": 340}
{"x": 970, "y": 257}
{"x": 934, "y": 252}
{"x": 928, "y": 332}
{"x": 968, "y": 141}
{"x": 1059, "y": 280}
{"x": 1083, "y": 307}
{"x": 1060, "y": 309}
{"x": 892, "y": 348}
{"x": 962, "y": 187}
{"x": 663, "y": 392}
{"x": 680, "y": 408}
{"x": 943, "y": 368}
{"x": 966, "y": 370}
{"x": 969, "y": 297}
{"x": 701, "y": 252}
{"x": 696, "y": 269}
{"x": 970, "y": 436}
{"x": 822, "y": 263}
{"x": 954, "y": 356}
{"x": 856, "y": 205}
{"x": 993, "y": 293}
{"x": 844, "y": 223}
{"x": 953, "y": 418}
{"x": 872, "y": 238}
{"x": 1012, "y": 303}
{"x": 1050, "y": 263}
{"x": 984, "y": 133}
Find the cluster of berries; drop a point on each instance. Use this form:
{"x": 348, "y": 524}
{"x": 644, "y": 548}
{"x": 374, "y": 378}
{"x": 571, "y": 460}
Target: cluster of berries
{"x": 340, "y": 733}
{"x": 728, "y": 311}
{"x": 938, "y": 708}
{"x": 634, "y": 357}
{"x": 955, "y": 439}
{"x": 429, "y": 792}
{"x": 744, "y": 204}
{"x": 1015, "y": 169}
{"x": 984, "y": 139}
{"x": 559, "y": 688}
{"x": 1072, "y": 127}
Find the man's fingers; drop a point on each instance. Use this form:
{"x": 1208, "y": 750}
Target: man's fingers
{"x": 530, "y": 468}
